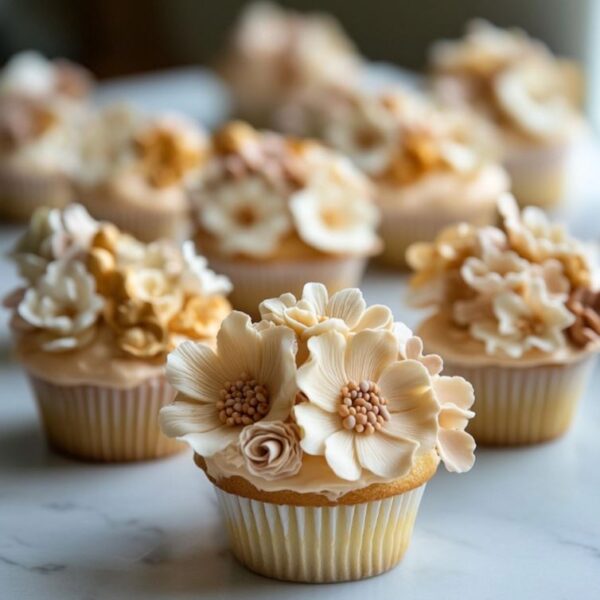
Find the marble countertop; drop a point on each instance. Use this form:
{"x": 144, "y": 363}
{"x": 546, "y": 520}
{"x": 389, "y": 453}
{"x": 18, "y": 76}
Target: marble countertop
{"x": 522, "y": 524}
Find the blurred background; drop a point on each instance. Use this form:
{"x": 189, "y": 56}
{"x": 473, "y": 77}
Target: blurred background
{"x": 120, "y": 37}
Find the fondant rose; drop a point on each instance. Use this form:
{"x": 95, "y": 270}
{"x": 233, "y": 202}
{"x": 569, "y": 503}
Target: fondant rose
{"x": 271, "y": 450}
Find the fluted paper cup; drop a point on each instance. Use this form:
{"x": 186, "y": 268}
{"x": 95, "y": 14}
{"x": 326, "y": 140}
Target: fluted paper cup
{"x": 254, "y": 281}
{"x": 400, "y": 227}
{"x": 22, "y": 193}
{"x": 523, "y": 405}
{"x": 105, "y": 424}
{"x": 319, "y": 544}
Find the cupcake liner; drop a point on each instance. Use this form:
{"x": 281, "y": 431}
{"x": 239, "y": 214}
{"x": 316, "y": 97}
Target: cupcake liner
{"x": 21, "y": 194}
{"x": 539, "y": 175}
{"x": 253, "y": 282}
{"x": 146, "y": 225}
{"x": 523, "y": 405}
{"x": 400, "y": 227}
{"x": 103, "y": 423}
{"x": 318, "y": 544}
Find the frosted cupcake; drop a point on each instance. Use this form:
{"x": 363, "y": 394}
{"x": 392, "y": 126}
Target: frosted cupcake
{"x": 516, "y": 313}
{"x": 276, "y": 212}
{"x": 532, "y": 98}
{"x": 93, "y": 322}
{"x": 275, "y": 53}
{"x": 427, "y": 166}
{"x": 319, "y": 462}
{"x": 136, "y": 171}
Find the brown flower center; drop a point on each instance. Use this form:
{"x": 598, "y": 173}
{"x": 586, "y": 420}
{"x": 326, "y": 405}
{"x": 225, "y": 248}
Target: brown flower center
{"x": 362, "y": 407}
{"x": 243, "y": 402}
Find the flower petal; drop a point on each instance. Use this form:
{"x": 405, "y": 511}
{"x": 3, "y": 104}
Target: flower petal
{"x": 317, "y": 295}
{"x": 317, "y": 425}
{"x": 185, "y": 416}
{"x": 208, "y": 443}
{"x": 454, "y": 390}
{"x": 238, "y": 346}
{"x": 348, "y": 305}
{"x": 195, "y": 370}
{"x": 456, "y": 449}
{"x": 369, "y": 352}
{"x": 385, "y": 456}
{"x": 322, "y": 376}
{"x": 375, "y": 317}
{"x": 340, "y": 455}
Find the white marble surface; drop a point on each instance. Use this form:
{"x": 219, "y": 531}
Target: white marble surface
{"x": 522, "y": 524}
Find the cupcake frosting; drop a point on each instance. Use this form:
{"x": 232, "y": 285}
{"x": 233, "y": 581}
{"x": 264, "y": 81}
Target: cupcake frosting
{"x": 517, "y": 293}
{"x": 361, "y": 405}
{"x": 260, "y": 191}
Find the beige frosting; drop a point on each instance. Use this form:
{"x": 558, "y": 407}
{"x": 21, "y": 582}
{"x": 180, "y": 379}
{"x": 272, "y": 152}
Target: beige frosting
{"x": 99, "y": 363}
{"x": 456, "y": 345}
{"x": 315, "y": 476}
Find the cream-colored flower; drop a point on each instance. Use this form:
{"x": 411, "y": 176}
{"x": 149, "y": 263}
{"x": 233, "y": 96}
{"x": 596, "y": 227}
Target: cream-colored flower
{"x": 246, "y": 216}
{"x": 197, "y": 278}
{"x": 334, "y": 212}
{"x": 536, "y": 239}
{"x": 413, "y": 350}
{"x": 250, "y": 378}
{"x": 532, "y": 319}
{"x": 365, "y": 409}
{"x": 271, "y": 450}
{"x": 345, "y": 311}
{"x": 53, "y": 234}
{"x": 454, "y": 445}
{"x": 200, "y": 317}
{"x": 63, "y": 305}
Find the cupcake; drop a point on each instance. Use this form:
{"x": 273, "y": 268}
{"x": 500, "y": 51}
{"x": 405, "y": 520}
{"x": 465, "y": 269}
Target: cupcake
{"x": 532, "y": 98}
{"x": 516, "y": 312}
{"x": 96, "y": 316}
{"x": 275, "y": 53}
{"x": 274, "y": 212}
{"x": 426, "y": 164}
{"x": 136, "y": 171}
{"x": 319, "y": 462}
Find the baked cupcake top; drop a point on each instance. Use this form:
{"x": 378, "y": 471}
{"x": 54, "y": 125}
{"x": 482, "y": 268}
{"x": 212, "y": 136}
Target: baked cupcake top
{"x": 524, "y": 293}
{"x": 274, "y": 52}
{"x": 113, "y": 306}
{"x": 265, "y": 196}
{"x": 401, "y": 141}
{"x": 361, "y": 406}
{"x": 512, "y": 79}
{"x": 146, "y": 157}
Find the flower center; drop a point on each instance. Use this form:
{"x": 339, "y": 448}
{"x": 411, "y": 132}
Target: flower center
{"x": 243, "y": 402}
{"x": 362, "y": 407}
{"x": 246, "y": 216}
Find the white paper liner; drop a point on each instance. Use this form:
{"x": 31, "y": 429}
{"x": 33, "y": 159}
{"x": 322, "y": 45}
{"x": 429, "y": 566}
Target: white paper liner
{"x": 103, "y": 423}
{"x": 254, "y": 282}
{"x": 318, "y": 544}
{"x": 523, "y": 405}
{"x": 539, "y": 175}
{"x": 400, "y": 227}
{"x": 21, "y": 194}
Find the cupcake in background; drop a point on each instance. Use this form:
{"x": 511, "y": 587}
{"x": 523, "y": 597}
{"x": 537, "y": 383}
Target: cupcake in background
{"x": 319, "y": 461}
{"x": 427, "y": 165}
{"x": 275, "y": 53}
{"x": 96, "y": 315}
{"x": 136, "y": 171}
{"x": 517, "y": 312}
{"x": 274, "y": 212}
{"x": 532, "y": 98}
{"x": 42, "y": 105}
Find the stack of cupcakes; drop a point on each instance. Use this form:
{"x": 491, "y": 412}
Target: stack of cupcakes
{"x": 96, "y": 316}
{"x": 274, "y": 212}
{"x": 319, "y": 427}
{"x": 516, "y": 311}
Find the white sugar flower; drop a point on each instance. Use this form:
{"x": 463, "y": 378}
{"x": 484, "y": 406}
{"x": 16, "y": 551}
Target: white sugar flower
{"x": 345, "y": 311}
{"x": 532, "y": 319}
{"x": 63, "y": 305}
{"x": 365, "y": 409}
{"x": 52, "y": 234}
{"x": 154, "y": 287}
{"x": 246, "y": 216}
{"x": 455, "y": 446}
{"x": 249, "y": 378}
{"x": 334, "y": 212}
{"x": 197, "y": 278}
